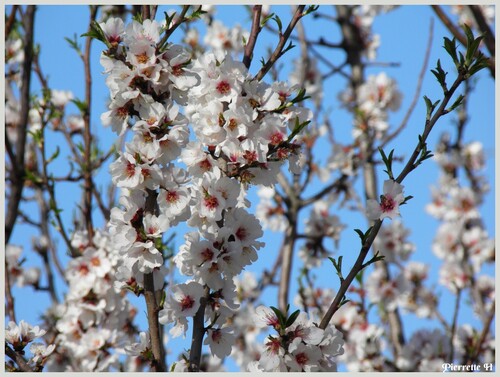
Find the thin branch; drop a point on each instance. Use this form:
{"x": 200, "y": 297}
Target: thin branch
{"x": 287, "y": 258}
{"x": 453, "y": 328}
{"x": 151, "y": 296}
{"x": 358, "y": 265}
{"x": 43, "y": 250}
{"x": 20, "y": 361}
{"x": 146, "y": 14}
{"x": 18, "y": 165}
{"x": 458, "y": 34}
{"x": 178, "y": 21}
{"x": 416, "y": 96}
{"x": 484, "y": 28}
{"x": 9, "y": 299}
{"x": 278, "y": 52}
{"x": 256, "y": 28}
{"x": 484, "y": 335}
{"x": 410, "y": 165}
{"x": 158, "y": 362}
{"x": 198, "y": 334}
{"x": 87, "y": 136}
{"x": 10, "y": 21}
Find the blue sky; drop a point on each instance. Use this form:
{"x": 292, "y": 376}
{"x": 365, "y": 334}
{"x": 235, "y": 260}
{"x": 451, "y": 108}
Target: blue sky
{"x": 404, "y": 34}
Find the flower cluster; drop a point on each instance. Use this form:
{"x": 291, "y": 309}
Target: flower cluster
{"x": 371, "y": 103}
{"x": 18, "y": 274}
{"x": 241, "y": 129}
{"x": 320, "y": 224}
{"x": 22, "y": 334}
{"x": 389, "y": 203}
{"x": 461, "y": 240}
{"x": 299, "y": 346}
{"x": 95, "y": 318}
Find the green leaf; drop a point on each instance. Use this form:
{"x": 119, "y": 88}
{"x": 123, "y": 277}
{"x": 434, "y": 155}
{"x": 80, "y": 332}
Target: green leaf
{"x": 457, "y": 103}
{"x": 264, "y": 21}
{"x": 280, "y": 316}
{"x": 278, "y": 22}
{"x": 54, "y": 155}
{"x": 297, "y": 129}
{"x": 451, "y": 47}
{"x": 292, "y": 318}
{"x": 73, "y": 43}
{"x": 96, "y": 32}
{"x": 440, "y": 75}
{"x": 82, "y": 105}
{"x": 310, "y": 9}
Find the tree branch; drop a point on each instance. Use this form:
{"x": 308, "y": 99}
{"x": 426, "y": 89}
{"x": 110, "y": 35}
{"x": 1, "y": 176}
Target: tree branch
{"x": 20, "y": 361}
{"x": 247, "y": 58}
{"x": 278, "y": 52}
{"x": 198, "y": 334}
{"x": 458, "y": 34}
{"x": 18, "y": 175}
{"x": 87, "y": 136}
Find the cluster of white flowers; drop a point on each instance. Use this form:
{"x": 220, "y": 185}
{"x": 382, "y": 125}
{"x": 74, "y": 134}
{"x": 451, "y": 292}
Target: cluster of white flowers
{"x": 300, "y": 346}
{"x": 22, "y": 334}
{"x": 241, "y": 129}
{"x": 465, "y": 15}
{"x": 371, "y": 103}
{"x": 364, "y": 15}
{"x": 96, "y": 319}
{"x": 18, "y": 274}
{"x": 461, "y": 236}
{"x": 389, "y": 203}
{"x": 319, "y": 225}
{"x": 306, "y": 74}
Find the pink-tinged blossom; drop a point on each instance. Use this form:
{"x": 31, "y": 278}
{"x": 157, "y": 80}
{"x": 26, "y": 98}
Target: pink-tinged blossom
{"x": 137, "y": 349}
{"x": 19, "y": 335}
{"x": 389, "y": 203}
{"x": 113, "y": 29}
{"x": 220, "y": 341}
{"x": 182, "y": 302}
{"x": 41, "y": 352}
{"x": 146, "y": 32}
{"x": 147, "y": 256}
{"x": 266, "y": 317}
{"x": 304, "y": 358}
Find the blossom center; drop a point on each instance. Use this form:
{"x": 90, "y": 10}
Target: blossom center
{"x": 211, "y": 202}
{"x": 186, "y": 303}
{"x": 387, "y": 203}
{"x": 301, "y": 358}
{"x": 223, "y": 87}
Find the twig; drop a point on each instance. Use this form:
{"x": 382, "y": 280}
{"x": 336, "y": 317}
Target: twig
{"x": 416, "y": 96}
{"x": 87, "y": 136}
{"x": 453, "y": 328}
{"x": 278, "y": 52}
{"x": 489, "y": 38}
{"x": 9, "y": 299}
{"x": 44, "y": 228}
{"x": 287, "y": 257}
{"x": 150, "y": 295}
{"x": 458, "y": 34}
{"x": 334, "y": 306}
{"x": 22, "y": 364}
{"x": 178, "y": 21}
{"x": 158, "y": 362}
{"x": 484, "y": 334}
{"x": 247, "y": 58}
{"x": 410, "y": 165}
{"x": 18, "y": 165}
{"x": 10, "y": 21}
{"x": 198, "y": 334}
